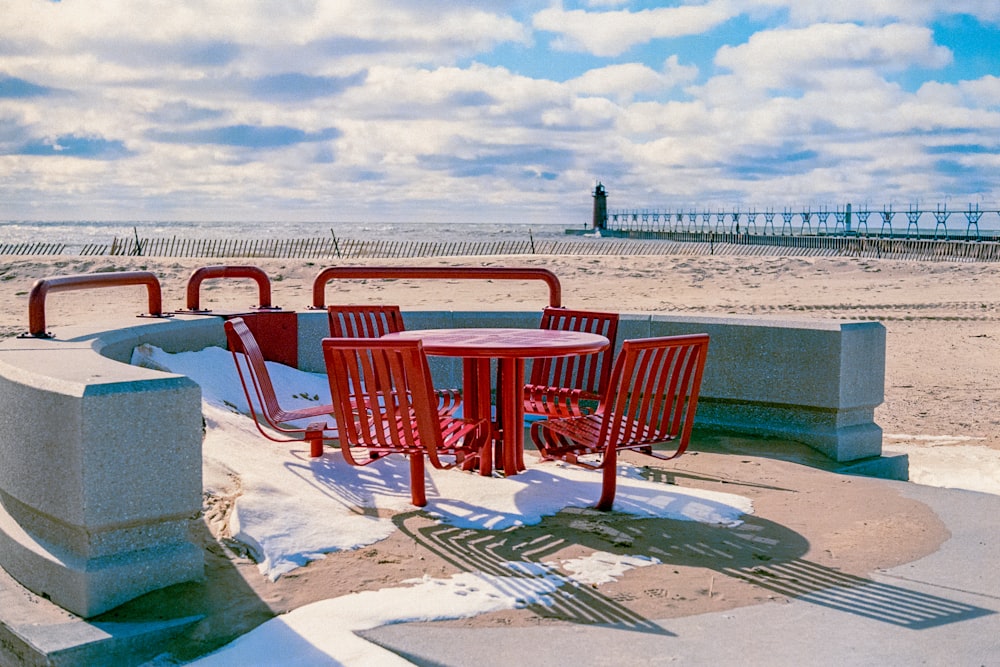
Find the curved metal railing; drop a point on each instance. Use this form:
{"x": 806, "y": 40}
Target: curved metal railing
{"x": 198, "y": 276}
{"x": 434, "y": 273}
{"x": 44, "y": 286}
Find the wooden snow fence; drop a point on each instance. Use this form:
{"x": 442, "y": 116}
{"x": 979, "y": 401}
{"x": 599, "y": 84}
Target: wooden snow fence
{"x": 32, "y": 248}
{"x": 332, "y": 248}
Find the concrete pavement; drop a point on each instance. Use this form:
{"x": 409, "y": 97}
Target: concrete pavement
{"x": 943, "y": 609}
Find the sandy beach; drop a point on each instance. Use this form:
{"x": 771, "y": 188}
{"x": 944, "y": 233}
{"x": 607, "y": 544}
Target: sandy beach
{"x": 943, "y": 340}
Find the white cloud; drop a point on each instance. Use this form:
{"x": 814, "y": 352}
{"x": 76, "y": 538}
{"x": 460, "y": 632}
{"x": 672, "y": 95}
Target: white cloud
{"x": 984, "y": 92}
{"x": 254, "y": 38}
{"x": 796, "y": 57}
{"x": 624, "y": 81}
{"x": 615, "y": 32}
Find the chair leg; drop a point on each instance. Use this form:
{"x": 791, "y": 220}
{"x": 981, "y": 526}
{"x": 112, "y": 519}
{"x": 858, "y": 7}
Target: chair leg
{"x": 486, "y": 455}
{"x": 418, "y": 487}
{"x": 314, "y": 436}
{"x": 609, "y": 472}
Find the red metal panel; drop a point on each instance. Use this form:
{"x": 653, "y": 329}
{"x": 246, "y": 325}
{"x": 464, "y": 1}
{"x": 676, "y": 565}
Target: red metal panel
{"x": 277, "y": 334}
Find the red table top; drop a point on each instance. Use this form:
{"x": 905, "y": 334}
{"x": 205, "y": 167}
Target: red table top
{"x": 506, "y": 343}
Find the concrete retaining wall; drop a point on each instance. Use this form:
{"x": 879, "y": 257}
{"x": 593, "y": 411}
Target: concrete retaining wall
{"x": 101, "y": 469}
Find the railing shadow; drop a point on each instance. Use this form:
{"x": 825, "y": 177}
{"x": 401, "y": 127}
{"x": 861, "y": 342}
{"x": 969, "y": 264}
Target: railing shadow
{"x": 860, "y": 596}
{"x": 498, "y": 553}
{"x": 759, "y": 552}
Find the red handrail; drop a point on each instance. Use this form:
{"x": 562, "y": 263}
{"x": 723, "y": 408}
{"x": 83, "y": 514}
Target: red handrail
{"x": 450, "y": 272}
{"x": 36, "y": 298}
{"x": 206, "y": 272}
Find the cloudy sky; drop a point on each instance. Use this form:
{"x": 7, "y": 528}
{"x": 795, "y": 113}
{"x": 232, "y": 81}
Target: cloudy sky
{"x": 507, "y": 110}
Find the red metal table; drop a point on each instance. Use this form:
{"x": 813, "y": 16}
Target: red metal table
{"x": 510, "y": 347}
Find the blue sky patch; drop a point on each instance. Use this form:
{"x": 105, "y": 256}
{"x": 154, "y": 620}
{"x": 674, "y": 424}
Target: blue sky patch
{"x": 14, "y": 88}
{"x": 247, "y": 136}
{"x": 91, "y": 148}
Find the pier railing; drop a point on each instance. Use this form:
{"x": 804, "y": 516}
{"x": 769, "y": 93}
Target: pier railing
{"x": 914, "y": 222}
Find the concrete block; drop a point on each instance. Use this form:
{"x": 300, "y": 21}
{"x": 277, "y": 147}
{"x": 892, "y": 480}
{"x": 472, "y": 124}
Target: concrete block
{"x": 314, "y": 326}
{"x": 34, "y": 631}
{"x": 814, "y": 381}
{"x": 177, "y": 333}
{"x": 102, "y": 475}
{"x": 429, "y": 319}
{"x": 634, "y": 325}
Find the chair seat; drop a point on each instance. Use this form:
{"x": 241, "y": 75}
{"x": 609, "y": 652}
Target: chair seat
{"x": 580, "y": 436}
{"x": 383, "y": 438}
{"x": 449, "y": 400}
{"x": 558, "y": 402}
{"x": 282, "y": 416}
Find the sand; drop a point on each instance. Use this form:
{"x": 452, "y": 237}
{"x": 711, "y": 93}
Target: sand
{"x": 943, "y": 340}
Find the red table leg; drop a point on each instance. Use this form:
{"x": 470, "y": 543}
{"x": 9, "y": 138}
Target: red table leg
{"x": 476, "y": 400}
{"x": 510, "y": 384}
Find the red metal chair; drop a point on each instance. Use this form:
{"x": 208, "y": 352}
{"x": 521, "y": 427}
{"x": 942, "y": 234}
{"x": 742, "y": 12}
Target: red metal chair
{"x": 393, "y": 380}
{"x": 373, "y": 321}
{"x": 651, "y": 399}
{"x": 264, "y": 405}
{"x": 560, "y": 386}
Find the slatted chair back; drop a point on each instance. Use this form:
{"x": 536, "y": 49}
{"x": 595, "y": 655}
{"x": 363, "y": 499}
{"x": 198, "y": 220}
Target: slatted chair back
{"x": 556, "y": 386}
{"x": 654, "y": 395}
{"x": 268, "y": 414}
{"x": 373, "y": 321}
{"x": 651, "y": 399}
{"x": 364, "y": 321}
{"x": 393, "y": 380}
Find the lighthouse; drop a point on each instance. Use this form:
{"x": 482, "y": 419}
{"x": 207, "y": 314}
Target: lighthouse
{"x": 600, "y": 206}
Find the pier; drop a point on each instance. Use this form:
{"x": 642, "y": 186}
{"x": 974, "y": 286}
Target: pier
{"x": 920, "y": 223}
